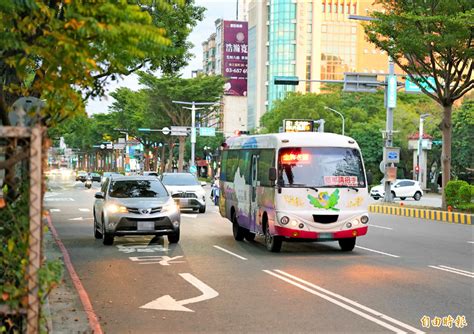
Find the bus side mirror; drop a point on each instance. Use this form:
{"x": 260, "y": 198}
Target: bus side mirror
{"x": 272, "y": 174}
{"x": 370, "y": 177}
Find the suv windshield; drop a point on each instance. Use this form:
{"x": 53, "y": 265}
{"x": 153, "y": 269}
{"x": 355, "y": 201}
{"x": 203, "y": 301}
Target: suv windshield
{"x": 320, "y": 167}
{"x": 180, "y": 180}
{"x": 137, "y": 188}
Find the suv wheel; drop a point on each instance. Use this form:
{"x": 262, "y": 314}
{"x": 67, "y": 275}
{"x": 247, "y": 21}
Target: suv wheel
{"x": 202, "y": 209}
{"x": 174, "y": 237}
{"x": 97, "y": 234}
{"x": 417, "y": 196}
{"x": 108, "y": 238}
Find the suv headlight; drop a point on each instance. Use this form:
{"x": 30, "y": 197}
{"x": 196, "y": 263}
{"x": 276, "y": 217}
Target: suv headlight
{"x": 114, "y": 208}
{"x": 171, "y": 206}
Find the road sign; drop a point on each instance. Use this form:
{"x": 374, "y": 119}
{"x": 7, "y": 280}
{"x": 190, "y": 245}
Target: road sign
{"x": 166, "y": 130}
{"x": 179, "y": 130}
{"x": 193, "y": 169}
{"x": 360, "y": 82}
{"x": 412, "y": 87}
{"x": 391, "y": 96}
{"x": 208, "y": 132}
{"x": 288, "y": 80}
{"x": 391, "y": 154}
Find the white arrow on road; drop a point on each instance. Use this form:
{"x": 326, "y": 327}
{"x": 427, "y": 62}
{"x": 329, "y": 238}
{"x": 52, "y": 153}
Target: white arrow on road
{"x": 80, "y": 218}
{"x": 168, "y": 303}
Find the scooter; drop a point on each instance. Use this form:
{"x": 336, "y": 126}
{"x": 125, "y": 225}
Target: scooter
{"x": 88, "y": 183}
{"x": 215, "y": 194}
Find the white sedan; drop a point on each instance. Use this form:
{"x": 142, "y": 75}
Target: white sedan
{"x": 400, "y": 188}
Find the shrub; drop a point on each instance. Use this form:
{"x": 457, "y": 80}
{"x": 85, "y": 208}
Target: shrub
{"x": 469, "y": 207}
{"x": 452, "y": 192}
{"x": 465, "y": 194}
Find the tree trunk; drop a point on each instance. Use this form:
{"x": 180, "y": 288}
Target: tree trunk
{"x": 446, "y": 129}
{"x": 182, "y": 146}
{"x": 170, "y": 159}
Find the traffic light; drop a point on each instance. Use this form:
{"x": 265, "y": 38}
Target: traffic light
{"x": 417, "y": 169}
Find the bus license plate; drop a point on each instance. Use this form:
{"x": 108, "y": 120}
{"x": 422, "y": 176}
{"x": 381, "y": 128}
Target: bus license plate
{"x": 145, "y": 226}
{"x": 325, "y": 236}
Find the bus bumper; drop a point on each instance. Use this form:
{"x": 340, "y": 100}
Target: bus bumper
{"x": 298, "y": 234}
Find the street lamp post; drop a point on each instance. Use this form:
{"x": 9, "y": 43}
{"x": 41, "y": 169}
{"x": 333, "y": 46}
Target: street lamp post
{"x": 390, "y": 99}
{"x": 421, "y": 171}
{"x": 340, "y": 114}
{"x": 193, "y": 124}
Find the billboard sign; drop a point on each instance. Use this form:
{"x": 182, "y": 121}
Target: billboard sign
{"x": 235, "y": 57}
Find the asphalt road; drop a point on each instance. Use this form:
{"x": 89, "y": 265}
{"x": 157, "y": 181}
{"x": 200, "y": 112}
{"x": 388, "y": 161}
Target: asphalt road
{"x": 402, "y": 272}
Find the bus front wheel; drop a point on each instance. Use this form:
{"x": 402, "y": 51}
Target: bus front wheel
{"x": 348, "y": 244}
{"x": 273, "y": 243}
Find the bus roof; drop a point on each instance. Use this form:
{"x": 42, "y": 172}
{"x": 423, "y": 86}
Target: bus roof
{"x": 291, "y": 139}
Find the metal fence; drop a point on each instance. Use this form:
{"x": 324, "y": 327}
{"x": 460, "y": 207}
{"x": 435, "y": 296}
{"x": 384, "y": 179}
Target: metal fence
{"x": 21, "y": 164}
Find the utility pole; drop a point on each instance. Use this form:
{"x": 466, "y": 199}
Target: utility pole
{"x": 193, "y": 109}
{"x": 389, "y": 91}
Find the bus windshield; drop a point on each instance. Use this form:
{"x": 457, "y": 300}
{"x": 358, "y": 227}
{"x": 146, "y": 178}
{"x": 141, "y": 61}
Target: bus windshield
{"x": 320, "y": 167}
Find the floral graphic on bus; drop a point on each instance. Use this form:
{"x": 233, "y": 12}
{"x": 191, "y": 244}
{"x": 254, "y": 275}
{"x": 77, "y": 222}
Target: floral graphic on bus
{"x": 325, "y": 201}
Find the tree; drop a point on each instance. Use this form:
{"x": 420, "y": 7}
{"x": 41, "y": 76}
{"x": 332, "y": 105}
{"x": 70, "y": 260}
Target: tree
{"x": 430, "y": 38}
{"x": 463, "y": 137}
{"x": 64, "y": 51}
{"x": 162, "y": 91}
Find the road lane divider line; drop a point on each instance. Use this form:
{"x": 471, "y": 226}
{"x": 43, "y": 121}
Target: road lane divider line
{"x": 352, "y": 302}
{"x": 460, "y": 270}
{"x": 452, "y": 271}
{"x": 323, "y": 293}
{"x": 470, "y": 242}
{"x": 84, "y": 210}
{"x": 86, "y": 303}
{"x": 189, "y": 215}
{"x": 54, "y": 210}
{"x": 229, "y": 252}
{"x": 386, "y": 228}
{"x": 376, "y": 251}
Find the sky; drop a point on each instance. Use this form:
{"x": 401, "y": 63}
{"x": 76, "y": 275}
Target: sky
{"x": 216, "y": 9}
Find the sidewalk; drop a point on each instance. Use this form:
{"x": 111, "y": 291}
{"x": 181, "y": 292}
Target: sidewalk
{"x": 64, "y": 310}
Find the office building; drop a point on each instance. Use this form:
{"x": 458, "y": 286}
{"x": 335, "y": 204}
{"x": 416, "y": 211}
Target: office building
{"x": 311, "y": 39}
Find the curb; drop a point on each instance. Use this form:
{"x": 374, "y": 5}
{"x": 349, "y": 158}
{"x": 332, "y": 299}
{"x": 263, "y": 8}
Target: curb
{"x": 438, "y": 215}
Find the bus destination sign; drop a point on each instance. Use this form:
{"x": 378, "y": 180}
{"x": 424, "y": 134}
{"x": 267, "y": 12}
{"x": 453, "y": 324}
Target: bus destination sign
{"x": 298, "y": 125}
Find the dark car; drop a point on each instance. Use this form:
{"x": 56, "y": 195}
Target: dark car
{"x": 135, "y": 205}
{"x": 81, "y": 176}
{"x": 96, "y": 177}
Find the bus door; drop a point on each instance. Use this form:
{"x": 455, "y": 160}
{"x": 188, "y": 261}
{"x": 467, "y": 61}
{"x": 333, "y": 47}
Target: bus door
{"x": 253, "y": 192}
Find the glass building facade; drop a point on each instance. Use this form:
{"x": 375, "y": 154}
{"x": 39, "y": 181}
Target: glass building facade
{"x": 281, "y": 46}
{"x": 252, "y": 79}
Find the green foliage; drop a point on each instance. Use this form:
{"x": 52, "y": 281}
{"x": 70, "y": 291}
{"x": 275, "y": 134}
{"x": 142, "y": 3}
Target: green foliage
{"x": 463, "y": 139}
{"x": 62, "y": 51}
{"x": 465, "y": 193}
{"x": 14, "y": 261}
{"x": 467, "y": 207}
{"x": 428, "y": 38}
{"x": 452, "y": 194}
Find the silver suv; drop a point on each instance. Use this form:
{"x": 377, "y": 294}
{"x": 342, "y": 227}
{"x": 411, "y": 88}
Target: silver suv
{"x": 186, "y": 189}
{"x": 135, "y": 205}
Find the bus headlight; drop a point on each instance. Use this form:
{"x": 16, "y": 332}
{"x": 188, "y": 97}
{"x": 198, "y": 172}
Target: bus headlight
{"x": 284, "y": 220}
{"x": 364, "y": 219}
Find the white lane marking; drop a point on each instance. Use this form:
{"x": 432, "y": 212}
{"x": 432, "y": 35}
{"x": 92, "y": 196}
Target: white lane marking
{"x": 51, "y": 194}
{"x": 168, "y": 303}
{"x": 80, "y": 219}
{"x": 456, "y": 271}
{"x": 162, "y": 260}
{"x": 376, "y": 251}
{"x": 61, "y": 199}
{"x": 189, "y": 215}
{"x": 386, "y": 228}
{"x": 343, "y": 302}
{"x": 470, "y": 242}
{"x": 460, "y": 270}
{"x": 84, "y": 210}
{"x": 229, "y": 252}
{"x": 54, "y": 210}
